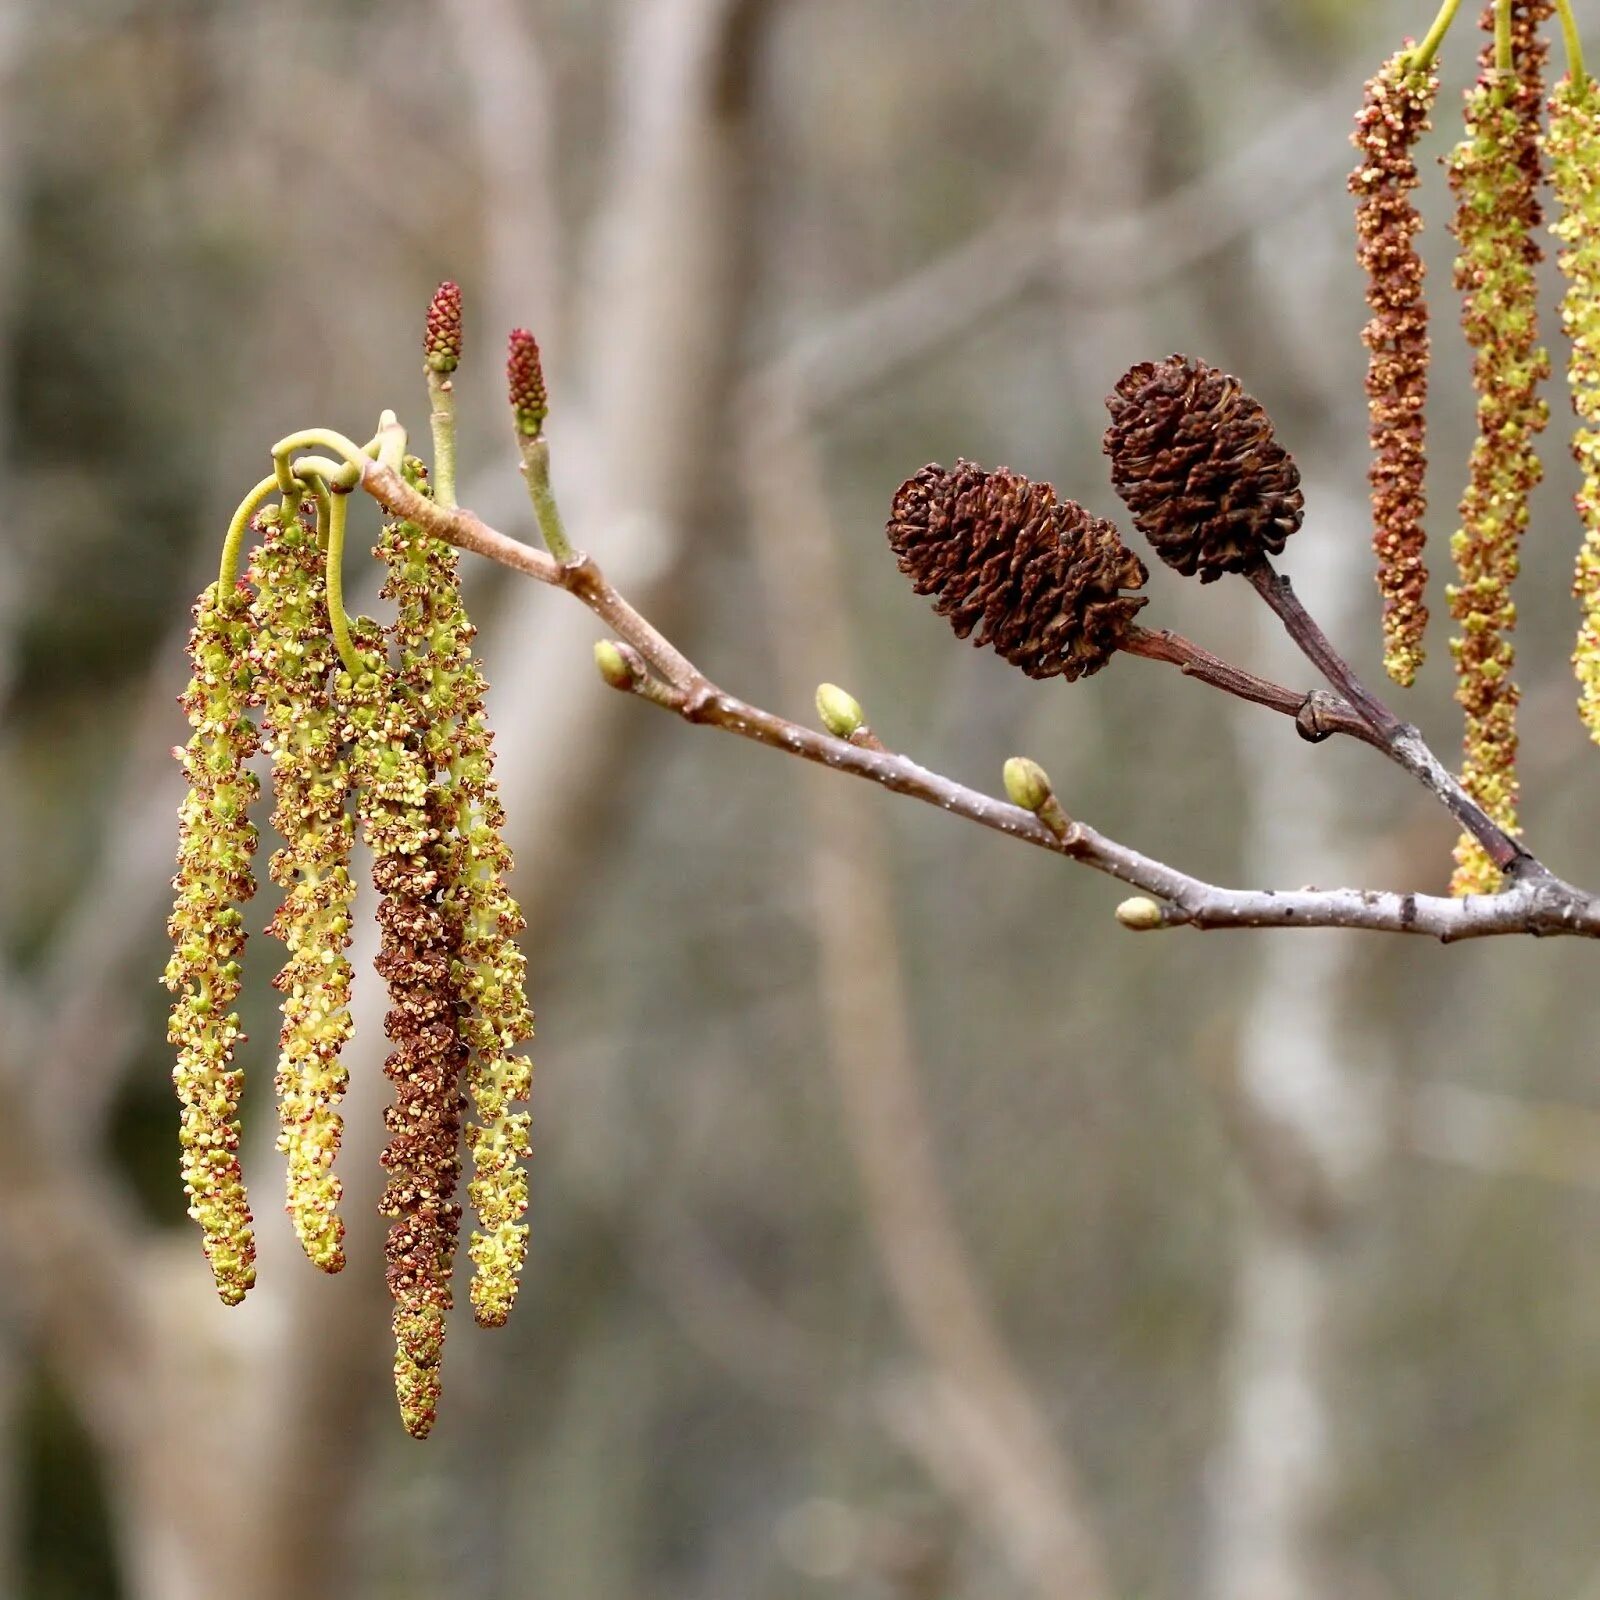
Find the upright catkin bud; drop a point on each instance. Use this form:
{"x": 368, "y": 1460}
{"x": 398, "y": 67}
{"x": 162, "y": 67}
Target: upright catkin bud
{"x": 293, "y": 655}
{"x": 400, "y": 823}
{"x": 1393, "y": 116}
{"x": 1573, "y": 145}
{"x": 530, "y": 404}
{"x": 440, "y": 673}
{"x": 215, "y": 843}
{"x": 1495, "y": 174}
{"x": 441, "y": 342}
{"x": 1044, "y": 578}
{"x": 1195, "y": 460}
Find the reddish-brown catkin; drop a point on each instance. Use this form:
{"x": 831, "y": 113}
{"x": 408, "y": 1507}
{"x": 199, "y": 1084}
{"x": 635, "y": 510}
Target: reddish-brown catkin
{"x": 401, "y": 824}
{"x": 1495, "y": 174}
{"x": 215, "y": 844}
{"x": 439, "y": 671}
{"x": 1393, "y": 116}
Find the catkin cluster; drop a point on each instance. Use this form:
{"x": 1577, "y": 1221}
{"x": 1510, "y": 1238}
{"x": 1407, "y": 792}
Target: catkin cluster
{"x": 384, "y": 727}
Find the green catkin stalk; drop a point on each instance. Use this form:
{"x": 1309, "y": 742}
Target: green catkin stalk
{"x": 1495, "y": 174}
{"x": 1573, "y": 146}
{"x": 400, "y": 822}
{"x": 294, "y": 656}
{"x": 1394, "y": 115}
{"x": 214, "y": 878}
{"x": 438, "y": 669}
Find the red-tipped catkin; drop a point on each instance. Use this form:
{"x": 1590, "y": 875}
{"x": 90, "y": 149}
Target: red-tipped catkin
{"x": 530, "y": 405}
{"x": 441, "y": 345}
{"x": 1392, "y": 118}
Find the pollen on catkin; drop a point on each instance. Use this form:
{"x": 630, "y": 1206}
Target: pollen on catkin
{"x": 1573, "y": 146}
{"x": 438, "y": 670}
{"x": 401, "y": 824}
{"x": 214, "y": 878}
{"x": 1495, "y": 174}
{"x": 1393, "y": 116}
{"x": 293, "y": 654}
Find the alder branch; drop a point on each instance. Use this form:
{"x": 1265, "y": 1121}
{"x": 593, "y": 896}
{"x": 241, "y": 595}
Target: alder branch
{"x": 1536, "y": 903}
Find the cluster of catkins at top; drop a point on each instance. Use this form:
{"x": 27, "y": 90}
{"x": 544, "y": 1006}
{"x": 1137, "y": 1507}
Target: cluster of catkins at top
{"x": 394, "y": 740}
{"x": 1495, "y": 170}
{"x": 1195, "y": 461}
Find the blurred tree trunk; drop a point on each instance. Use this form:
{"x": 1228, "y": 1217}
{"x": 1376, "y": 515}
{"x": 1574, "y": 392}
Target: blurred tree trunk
{"x": 1306, "y": 1133}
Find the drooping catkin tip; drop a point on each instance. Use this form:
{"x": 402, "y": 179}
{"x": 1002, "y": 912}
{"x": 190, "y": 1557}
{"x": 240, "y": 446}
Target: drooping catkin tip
{"x": 1196, "y": 461}
{"x": 419, "y": 1345}
{"x": 441, "y": 345}
{"x": 839, "y": 710}
{"x": 1027, "y": 783}
{"x": 1045, "y": 579}
{"x": 530, "y": 404}
{"x": 1141, "y": 914}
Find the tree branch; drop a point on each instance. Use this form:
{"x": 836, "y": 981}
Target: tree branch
{"x": 1537, "y": 903}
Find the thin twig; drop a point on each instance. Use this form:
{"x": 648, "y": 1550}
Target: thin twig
{"x": 1400, "y": 741}
{"x": 1536, "y": 903}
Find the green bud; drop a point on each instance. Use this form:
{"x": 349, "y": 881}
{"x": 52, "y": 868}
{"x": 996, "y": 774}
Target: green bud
{"x": 1141, "y": 913}
{"x": 1027, "y": 783}
{"x": 613, "y": 665}
{"x": 839, "y": 710}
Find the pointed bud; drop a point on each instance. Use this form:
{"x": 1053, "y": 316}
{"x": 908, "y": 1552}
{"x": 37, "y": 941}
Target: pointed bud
{"x": 614, "y": 665}
{"x": 442, "y": 343}
{"x": 1141, "y": 913}
{"x": 530, "y": 405}
{"x": 839, "y": 710}
{"x": 1027, "y": 784}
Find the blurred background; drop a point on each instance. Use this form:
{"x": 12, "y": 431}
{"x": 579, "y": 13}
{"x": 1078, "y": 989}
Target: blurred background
{"x": 901, "y": 1228}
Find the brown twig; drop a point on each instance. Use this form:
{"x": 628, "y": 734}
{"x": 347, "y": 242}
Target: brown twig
{"x": 1399, "y": 741}
{"x": 1536, "y": 902}
{"x": 1317, "y": 714}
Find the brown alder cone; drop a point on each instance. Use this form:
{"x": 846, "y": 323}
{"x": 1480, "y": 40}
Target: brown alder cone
{"x": 1195, "y": 460}
{"x": 1043, "y": 577}
{"x": 1392, "y": 118}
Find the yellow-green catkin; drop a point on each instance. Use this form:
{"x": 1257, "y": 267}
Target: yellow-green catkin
{"x": 1573, "y": 147}
{"x": 214, "y": 878}
{"x": 416, "y": 957}
{"x": 294, "y": 656}
{"x": 1495, "y": 174}
{"x": 438, "y": 668}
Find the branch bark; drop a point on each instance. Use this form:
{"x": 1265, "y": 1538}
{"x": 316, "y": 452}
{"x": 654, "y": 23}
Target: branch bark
{"x": 1537, "y": 903}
